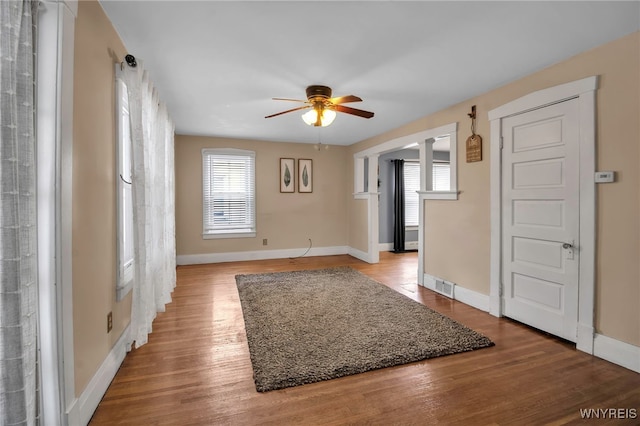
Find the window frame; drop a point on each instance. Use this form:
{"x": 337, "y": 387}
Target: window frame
{"x": 426, "y": 158}
{"x": 249, "y": 231}
{"x": 124, "y": 200}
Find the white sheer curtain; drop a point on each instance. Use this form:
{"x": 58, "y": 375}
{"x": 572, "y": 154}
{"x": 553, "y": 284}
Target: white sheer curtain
{"x": 18, "y": 239}
{"x": 152, "y": 133}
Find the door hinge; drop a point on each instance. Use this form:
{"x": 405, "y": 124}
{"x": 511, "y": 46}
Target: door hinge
{"x": 501, "y": 142}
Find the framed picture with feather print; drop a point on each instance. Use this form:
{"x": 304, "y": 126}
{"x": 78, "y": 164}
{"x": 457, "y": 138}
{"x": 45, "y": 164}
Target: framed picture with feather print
{"x": 287, "y": 175}
{"x": 305, "y": 175}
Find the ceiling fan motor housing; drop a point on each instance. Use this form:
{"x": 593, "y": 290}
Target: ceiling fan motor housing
{"x": 321, "y": 92}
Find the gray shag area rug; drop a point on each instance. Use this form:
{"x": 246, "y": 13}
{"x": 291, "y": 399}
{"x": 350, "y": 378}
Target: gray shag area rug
{"x": 307, "y": 326}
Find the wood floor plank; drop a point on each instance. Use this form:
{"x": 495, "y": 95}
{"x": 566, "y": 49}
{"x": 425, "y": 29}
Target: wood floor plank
{"x": 196, "y": 369}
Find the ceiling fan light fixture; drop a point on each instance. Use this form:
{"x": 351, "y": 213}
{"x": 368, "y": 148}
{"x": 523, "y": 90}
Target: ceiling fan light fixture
{"x": 326, "y": 117}
{"x": 323, "y": 106}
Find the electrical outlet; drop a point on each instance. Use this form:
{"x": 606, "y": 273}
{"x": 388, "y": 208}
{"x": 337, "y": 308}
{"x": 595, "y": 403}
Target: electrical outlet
{"x": 109, "y": 321}
{"x": 264, "y": 241}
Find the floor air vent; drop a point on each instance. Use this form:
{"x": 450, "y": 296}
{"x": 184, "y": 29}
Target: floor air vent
{"x": 444, "y": 288}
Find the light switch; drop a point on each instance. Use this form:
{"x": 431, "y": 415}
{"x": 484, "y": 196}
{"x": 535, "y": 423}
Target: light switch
{"x": 605, "y": 177}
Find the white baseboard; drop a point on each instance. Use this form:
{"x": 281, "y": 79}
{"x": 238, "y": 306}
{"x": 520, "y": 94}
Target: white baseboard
{"x": 461, "y": 294}
{"x": 385, "y": 246}
{"x": 195, "y": 259}
{"x": 408, "y": 245}
{"x": 85, "y": 405}
{"x": 617, "y": 352}
{"x": 429, "y": 281}
{"x": 359, "y": 254}
{"x": 411, "y": 245}
{"x": 472, "y": 298}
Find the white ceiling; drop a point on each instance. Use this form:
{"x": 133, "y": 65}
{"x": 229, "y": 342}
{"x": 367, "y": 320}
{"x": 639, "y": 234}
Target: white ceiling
{"x": 217, "y": 64}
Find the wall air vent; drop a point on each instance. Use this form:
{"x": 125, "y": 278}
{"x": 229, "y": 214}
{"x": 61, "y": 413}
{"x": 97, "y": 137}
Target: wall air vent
{"x": 445, "y": 288}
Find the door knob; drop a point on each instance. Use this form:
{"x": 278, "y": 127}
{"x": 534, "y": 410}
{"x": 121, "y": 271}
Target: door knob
{"x": 569, "y": 250}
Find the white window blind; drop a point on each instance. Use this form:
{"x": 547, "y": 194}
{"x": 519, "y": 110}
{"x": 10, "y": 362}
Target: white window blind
{"x": 441, "y": 177}
{"x": 411, "y": 185}
{"x": 228, "y": 193}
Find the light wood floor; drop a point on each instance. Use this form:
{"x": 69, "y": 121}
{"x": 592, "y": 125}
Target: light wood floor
{"x": 196, "y": 370}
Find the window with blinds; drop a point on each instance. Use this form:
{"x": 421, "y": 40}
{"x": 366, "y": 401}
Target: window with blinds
{"x": 441, "y": 177}
{"x": 228, "y": 193}
{"x": 411, "y": 186}
{"x": 441, "y": 182}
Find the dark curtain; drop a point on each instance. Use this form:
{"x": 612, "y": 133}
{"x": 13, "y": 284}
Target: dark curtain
{"x": 398, "y": 206}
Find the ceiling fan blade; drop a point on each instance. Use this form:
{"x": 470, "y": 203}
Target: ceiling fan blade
{"x": 289, "y": 110}
{"x": 288, "y": 99}
{"x": 344, "y": 99}
{"x": 353, "y": 111}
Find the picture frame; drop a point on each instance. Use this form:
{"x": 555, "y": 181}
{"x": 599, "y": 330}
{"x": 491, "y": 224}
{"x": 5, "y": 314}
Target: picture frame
{"x": 305, "y": 175}
{"x": 287, "y": 175}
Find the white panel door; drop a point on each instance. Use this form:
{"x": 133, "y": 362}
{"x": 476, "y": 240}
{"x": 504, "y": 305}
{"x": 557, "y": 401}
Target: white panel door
{"x": 540, "y": 188}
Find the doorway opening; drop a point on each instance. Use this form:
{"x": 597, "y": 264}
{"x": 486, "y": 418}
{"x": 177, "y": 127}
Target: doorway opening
{"x": 366, "y": 177}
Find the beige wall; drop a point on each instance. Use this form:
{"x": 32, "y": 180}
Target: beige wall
{"x": 358, "y": 229}
{"x": 457, "y": 233}
{"x": 287, "y": 220}
{"x": 97, "y": 49}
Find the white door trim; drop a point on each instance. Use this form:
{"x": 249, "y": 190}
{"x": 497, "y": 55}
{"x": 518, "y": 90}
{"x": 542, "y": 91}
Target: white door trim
{"x": 584, "y": 91}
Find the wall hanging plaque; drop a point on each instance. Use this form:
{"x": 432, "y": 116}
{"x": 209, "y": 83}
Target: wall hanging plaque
{"x": 474, "y": 148}
{"x": 474, "y": 142}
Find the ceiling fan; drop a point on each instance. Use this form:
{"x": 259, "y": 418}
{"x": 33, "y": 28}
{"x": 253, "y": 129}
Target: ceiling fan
{"x": 323, "y": 106}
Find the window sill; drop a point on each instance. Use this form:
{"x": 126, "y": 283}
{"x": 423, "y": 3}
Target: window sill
{"x": 228, "y": 234}
{"x": 364, "y": 195}
{"x": 438, "y": 195}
